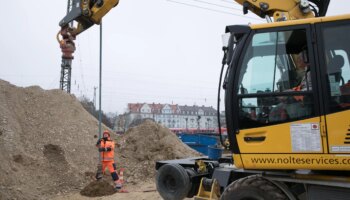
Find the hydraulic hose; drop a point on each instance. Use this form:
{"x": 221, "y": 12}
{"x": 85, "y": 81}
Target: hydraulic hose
{"x": 219, "y": 89}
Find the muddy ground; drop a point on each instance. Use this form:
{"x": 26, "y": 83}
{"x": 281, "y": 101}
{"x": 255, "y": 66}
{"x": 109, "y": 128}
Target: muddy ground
{"x": 142, "y": 191}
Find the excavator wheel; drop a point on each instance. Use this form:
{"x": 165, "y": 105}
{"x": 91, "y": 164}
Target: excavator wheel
{"x": 193, "y": 185}
{"x": 173, "y": 182}
{"x": 253, "y": 188}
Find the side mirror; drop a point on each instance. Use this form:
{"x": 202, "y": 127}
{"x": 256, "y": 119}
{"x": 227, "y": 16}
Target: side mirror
{"x": 225, "y": 39}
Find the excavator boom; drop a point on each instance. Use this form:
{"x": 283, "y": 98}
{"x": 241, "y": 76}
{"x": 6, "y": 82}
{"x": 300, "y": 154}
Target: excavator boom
{"x": 85, "y": 13}
{"x": 286, "y": 9}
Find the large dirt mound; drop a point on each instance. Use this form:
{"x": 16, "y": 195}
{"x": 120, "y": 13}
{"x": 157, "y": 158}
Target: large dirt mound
{"x": 46, "y": 143}
{"x": 143, "y": 145}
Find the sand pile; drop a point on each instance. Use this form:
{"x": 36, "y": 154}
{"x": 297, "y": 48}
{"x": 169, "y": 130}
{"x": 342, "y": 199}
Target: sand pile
{"x": 46, "y": 143}
{"x": 143, "y": 145}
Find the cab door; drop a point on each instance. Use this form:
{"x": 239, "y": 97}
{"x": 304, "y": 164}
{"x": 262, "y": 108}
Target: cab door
{"x": 273, "y": 116}
{"x": 335, "y": 54}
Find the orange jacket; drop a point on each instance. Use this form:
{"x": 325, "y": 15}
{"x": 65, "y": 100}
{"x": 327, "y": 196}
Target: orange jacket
{"x": 298, "y": 98}
{"x": 107, "y": 149}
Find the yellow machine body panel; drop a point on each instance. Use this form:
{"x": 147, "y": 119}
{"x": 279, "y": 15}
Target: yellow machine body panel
{"x": 279, "y": 138}
{"x": 277, "y": 5}
{"x": 279, "y": 10}
{"x": 99, "y": 12}
{"x": 339, "y": 125}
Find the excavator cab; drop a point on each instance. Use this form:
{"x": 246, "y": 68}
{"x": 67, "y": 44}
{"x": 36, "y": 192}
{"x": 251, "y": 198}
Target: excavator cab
{"x": 284, "y": 94}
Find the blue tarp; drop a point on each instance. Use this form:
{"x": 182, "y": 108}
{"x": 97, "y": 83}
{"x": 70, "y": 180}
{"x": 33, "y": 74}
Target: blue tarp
{"x": 198, "y": 142}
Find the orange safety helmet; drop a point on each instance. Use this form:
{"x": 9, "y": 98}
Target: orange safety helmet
{"x": 106, "y": 132}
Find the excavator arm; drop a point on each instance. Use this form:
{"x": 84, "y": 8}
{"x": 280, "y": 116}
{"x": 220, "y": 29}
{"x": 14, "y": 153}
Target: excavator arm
{"x": 85, "y": 13}
{"x": 283, "y": 10}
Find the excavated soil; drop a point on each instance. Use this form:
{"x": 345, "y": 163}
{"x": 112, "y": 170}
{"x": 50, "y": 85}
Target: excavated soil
{"x": 98, "y": 189}
{"x": 143, "y": 145}
{"x": 47, "y": 145}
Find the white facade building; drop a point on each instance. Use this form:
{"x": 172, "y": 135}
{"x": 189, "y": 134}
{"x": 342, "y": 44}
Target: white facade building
{"x": 174, "y": 116}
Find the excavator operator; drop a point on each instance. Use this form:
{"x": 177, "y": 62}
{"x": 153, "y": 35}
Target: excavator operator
{"x": 303, "y": 73}
{"x": 294, "y": 107}
{"x": 106, "y": 147}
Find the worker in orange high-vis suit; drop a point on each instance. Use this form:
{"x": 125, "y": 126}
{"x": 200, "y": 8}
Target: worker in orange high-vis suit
{"x": 106, "y": 147}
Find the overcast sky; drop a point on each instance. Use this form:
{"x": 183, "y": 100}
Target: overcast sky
{"x": 160, "y": 51}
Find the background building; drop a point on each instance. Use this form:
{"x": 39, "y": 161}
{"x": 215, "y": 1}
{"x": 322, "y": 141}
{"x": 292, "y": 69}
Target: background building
{"x": 172, "y": 116}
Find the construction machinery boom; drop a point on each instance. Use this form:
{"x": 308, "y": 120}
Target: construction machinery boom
{"x": 84, "y": 13}
{"x": 285, "y": 10}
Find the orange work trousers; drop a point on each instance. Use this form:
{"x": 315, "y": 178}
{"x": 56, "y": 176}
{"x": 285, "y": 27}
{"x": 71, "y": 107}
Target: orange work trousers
{"x": 110, "y": 165}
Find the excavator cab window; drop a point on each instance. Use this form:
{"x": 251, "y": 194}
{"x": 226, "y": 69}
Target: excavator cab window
{"x": 274, "y": 66}
{"x": 337, "y": 54}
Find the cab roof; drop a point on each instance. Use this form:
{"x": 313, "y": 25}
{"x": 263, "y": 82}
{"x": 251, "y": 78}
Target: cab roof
{"x": 300, "y": 21}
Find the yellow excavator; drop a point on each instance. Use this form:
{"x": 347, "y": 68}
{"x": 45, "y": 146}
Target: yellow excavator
{"x": 287, "y": 107}
{"x": 84, "y": 13}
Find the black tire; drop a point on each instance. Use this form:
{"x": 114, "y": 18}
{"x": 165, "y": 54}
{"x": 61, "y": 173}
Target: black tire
{"x": 194, "y": 186}
{"x": 172, "y": 182}
{"x": 253, "y": 188}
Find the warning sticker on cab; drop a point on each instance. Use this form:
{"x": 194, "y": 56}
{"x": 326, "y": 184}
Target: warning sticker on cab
{"x": 305, "y": 137}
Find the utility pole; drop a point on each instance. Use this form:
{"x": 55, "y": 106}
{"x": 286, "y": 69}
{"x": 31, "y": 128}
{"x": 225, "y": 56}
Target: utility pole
{"x": 100, "y": 91}
{"x": 99, "y": 173}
